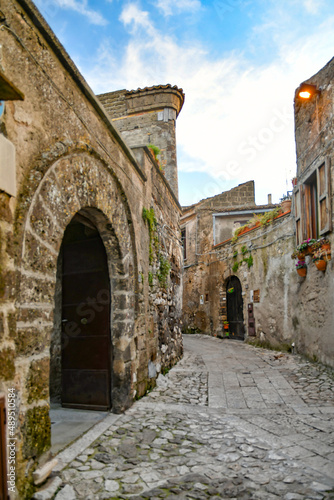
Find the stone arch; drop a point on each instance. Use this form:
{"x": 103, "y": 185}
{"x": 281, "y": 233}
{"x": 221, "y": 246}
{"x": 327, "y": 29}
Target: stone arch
{"x": 76, "y": 183}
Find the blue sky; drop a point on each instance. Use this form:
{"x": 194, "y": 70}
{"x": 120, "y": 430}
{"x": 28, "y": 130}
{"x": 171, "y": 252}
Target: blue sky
{"x": 238, "y": 62}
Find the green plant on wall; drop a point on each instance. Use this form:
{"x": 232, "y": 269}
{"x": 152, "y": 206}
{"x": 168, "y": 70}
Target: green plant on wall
{"x": 244, "y": 250}
{"x": 154, "y": 250}
{"x": 163, "y": 272}
{"x": 259, "y": 219}
{"x": 156, "y": 151}
{"x": 235, "y": 267}
{"x": 149, "y": 217}
{"x": 249, "y": 261}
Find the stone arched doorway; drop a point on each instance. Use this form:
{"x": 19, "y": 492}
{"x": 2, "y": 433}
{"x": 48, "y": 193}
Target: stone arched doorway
{"x": 85, "y": 318}
{"x": 234, "y": 305}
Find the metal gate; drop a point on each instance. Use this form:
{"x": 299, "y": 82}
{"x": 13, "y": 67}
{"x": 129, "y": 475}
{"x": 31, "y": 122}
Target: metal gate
{"x": 235, "y": 314}
{"x": 86, "y": 343}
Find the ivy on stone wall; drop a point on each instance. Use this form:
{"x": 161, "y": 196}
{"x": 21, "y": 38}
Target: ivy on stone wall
{"x": 154, "y": 250}
{"x": 248, "y": 260}
{"x": 163, "y": 272}
{"x": 149, "y": 217}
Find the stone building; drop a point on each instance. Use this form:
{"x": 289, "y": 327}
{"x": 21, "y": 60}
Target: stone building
{"x": 250, "y": 281}
{"x": 90, "y": 287}
{"x": 206, "y": 227}
{"x": 148, "y": 116}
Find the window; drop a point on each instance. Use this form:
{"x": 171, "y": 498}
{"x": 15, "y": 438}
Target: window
{"x": 184, "y": 242}
{"x": 312, "y": 204}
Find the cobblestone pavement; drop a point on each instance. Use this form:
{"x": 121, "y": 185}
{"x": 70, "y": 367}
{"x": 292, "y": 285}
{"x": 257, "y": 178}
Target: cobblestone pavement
{"x": 230, "y": 421}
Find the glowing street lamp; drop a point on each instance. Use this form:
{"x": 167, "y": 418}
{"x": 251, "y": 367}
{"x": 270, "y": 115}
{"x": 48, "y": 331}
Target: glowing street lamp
{"x": 306, "y": 91}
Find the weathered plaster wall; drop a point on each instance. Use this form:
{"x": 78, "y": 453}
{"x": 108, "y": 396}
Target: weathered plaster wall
{"x": 69, "y": 159}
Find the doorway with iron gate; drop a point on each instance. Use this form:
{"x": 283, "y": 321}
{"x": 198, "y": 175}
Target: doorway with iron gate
{"x": 234, "y": 306}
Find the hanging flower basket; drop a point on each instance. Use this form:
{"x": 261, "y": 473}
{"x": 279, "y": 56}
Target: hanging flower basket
{"x": 301, "y": 268}
{"x": 321, "y": 264}
{"x": 302, "y": 271}
{"x": 230, "y": 290}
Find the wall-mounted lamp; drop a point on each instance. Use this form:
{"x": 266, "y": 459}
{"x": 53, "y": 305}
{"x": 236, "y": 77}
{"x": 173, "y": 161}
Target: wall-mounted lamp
{"x": 307, "y": 91}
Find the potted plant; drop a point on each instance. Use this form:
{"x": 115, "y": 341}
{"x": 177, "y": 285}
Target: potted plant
{"x": 305, "y": 248}
{"x": 301, "y": 268}
{"x": 286, "y": 203}
{"x": 230, "y": 290}
{"x": 319, "y": 261}
{"x": 225, "y": 325}
{"x": 325, "y": 248}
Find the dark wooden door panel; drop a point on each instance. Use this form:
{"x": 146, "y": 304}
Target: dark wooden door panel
{"x": 86, "y": 389}
{"x": 235, "y": 315}
{"x": 81, "y": 320}
{"x": 94, "y": 353}
{"x": 86, "y": 343}
{"x": 81, "y": 255}
{"x": 83, "y": 287}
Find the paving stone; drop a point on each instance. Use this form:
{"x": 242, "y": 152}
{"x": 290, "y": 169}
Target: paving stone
{"x": 66, "y": 493}
{"x": 111, "y": 485}
{"x": 177, "y": 443}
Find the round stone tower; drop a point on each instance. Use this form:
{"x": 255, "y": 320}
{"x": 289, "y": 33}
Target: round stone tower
{"x": 148, "y": 116}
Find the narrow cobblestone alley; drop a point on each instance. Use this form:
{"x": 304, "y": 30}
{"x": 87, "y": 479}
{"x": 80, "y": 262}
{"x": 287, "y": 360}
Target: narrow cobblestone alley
{"x": 229, "y": 421}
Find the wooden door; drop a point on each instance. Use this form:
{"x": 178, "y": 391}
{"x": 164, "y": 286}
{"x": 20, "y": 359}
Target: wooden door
{"x": 86, "y": 343}
{"x": 235, "y": 314}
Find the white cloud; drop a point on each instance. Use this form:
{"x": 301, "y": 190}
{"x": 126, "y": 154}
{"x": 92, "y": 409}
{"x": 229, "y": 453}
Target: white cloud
{"x": 50, "y": 8}
{"x": 237, "y": 121}
{"x": 135, "y": 18}
{"x": 312, "y": 6}
{"x": 170, "y": 7}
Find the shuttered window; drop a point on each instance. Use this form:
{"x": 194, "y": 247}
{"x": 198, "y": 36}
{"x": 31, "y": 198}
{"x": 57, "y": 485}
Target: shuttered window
{"x": 312, "y": 200}
{"x": 324, "y": 198}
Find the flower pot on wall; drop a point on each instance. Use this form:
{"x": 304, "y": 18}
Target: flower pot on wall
{"x": 321, "y": 264}
{"x": 286, "y": 205}
{"x": 302, "y": 271}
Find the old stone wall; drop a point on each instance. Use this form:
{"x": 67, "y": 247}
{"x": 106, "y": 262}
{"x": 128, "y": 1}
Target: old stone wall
{"x": 287, "y": 308}
{"x": 314, "y": 131}
{"x": 314, "y": 121}
{"x": 70, "y": 162}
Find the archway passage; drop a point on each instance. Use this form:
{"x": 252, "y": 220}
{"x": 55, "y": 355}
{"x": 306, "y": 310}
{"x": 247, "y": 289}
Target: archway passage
{"x": 86, "y": 340}
{"x": 235, "y": 315}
